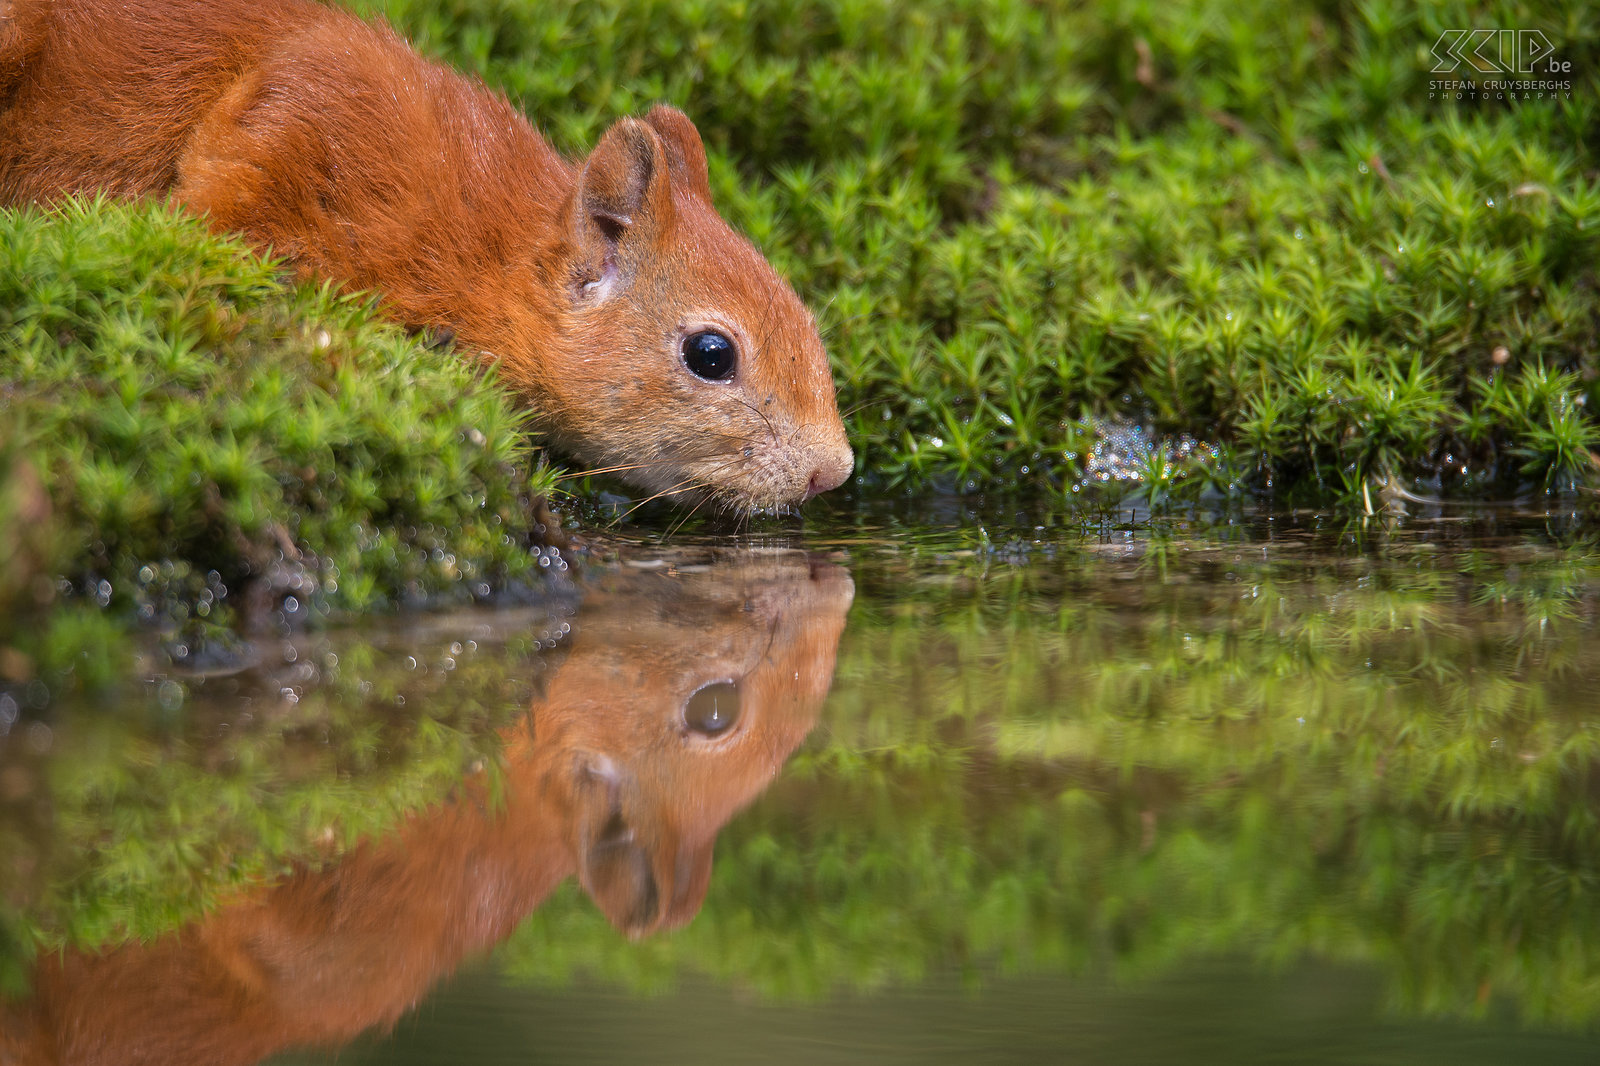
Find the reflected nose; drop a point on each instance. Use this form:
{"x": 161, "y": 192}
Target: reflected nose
{"x": 831, "y": 473}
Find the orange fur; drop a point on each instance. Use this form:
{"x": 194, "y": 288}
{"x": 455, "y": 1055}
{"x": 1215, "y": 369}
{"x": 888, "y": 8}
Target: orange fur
{"x": 326, "y": 139}
{"x": 602, "y": 780}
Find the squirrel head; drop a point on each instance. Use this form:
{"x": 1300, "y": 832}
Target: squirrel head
{"x": 685, "y": 358}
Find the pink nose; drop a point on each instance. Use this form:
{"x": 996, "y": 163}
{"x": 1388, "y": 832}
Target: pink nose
{"x": 829, "y": 476}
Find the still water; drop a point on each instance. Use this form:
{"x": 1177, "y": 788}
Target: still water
{"x": 977, "y": 788}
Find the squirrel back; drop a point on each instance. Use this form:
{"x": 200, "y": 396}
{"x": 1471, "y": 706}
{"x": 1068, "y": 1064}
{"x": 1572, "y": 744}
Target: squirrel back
{"x": 608, "y": 291}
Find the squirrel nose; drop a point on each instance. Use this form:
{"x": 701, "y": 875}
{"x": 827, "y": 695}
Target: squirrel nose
{"x": 831, "y": 474}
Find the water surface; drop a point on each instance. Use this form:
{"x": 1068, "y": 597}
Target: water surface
{"x": 976, "y": 786}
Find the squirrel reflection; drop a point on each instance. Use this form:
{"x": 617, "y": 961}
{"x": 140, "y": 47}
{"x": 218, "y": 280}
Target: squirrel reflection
{"x": 677, "y": 704}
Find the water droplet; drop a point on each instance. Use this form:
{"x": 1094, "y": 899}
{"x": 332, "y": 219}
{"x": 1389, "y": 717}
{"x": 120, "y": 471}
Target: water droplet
{"x": 39, "y": 738}
{"x": 169, "y": 694}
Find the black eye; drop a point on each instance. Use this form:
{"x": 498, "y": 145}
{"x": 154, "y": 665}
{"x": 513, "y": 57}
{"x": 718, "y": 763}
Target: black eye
{"x": 709, "y": 355}
{"x": 712, "y": 710}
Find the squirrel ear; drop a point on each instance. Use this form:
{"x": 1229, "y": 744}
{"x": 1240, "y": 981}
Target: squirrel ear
{"x": 614, "y": 858}
{"x": 686, "y": 156}
{"x": 623, "y": 191}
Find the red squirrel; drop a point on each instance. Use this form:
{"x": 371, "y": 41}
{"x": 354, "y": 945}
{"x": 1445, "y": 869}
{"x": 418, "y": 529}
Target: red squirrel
{"x": 649, "y": 336}
{"x": 621, "y": 774}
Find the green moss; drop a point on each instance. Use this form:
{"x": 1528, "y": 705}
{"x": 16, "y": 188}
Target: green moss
{"x": 211, "y": 438}
{"x": 1248, "y": 222}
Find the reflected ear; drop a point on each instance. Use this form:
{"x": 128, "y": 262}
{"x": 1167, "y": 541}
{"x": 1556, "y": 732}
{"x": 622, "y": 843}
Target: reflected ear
{"x": 691, "y": 877}
{"x": 624, "y": 197}
{"x": 614, "y": 864}
{"x": 686, "y": 156}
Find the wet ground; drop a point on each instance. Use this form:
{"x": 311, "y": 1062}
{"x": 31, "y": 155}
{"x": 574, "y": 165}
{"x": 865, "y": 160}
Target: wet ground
{"x": 959, "y": 787}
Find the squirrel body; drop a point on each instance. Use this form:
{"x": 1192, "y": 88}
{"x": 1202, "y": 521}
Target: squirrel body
{"x": 648, "y": 335}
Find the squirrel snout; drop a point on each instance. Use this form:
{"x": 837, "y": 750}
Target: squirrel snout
{"x": 831, "y": 473}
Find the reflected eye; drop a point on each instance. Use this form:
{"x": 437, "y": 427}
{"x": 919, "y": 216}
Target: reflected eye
{"x": 713, "y": 709}
{"x": 710, "y": 355}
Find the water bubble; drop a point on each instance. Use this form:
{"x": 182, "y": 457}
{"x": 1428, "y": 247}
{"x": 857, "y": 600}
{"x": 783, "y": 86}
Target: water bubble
{"x": 169, "y": 694}
{"x": 39, "y": 738}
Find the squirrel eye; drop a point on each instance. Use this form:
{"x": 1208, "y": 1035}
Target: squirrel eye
{"x": 712, "y": 709}
{"x": 709, "y": 355}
